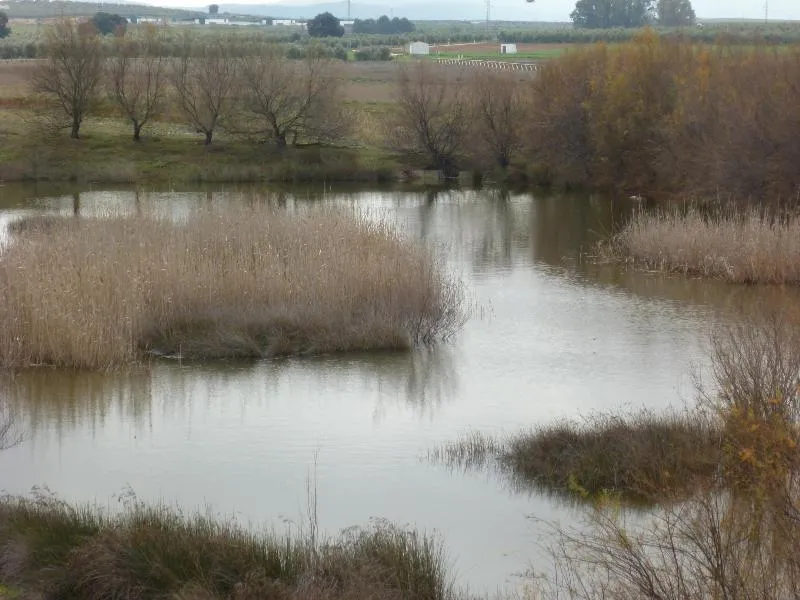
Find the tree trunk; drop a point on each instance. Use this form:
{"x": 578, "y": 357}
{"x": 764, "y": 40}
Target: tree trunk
{"x": 209, "y": 135}
{"x": 280, "y": 140}
{"x": 76, "y": 128}
{"x": 137, "y": 130}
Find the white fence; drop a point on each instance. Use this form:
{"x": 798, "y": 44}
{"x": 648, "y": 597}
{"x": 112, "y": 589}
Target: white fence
{"x": 501, "y": 65}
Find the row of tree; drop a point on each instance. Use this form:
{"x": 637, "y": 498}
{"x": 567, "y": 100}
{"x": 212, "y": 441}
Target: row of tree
{"x": 383, "y": 26}
{"x": 4, "y": 28}
{"x": 605, "y": 14}
{"x": 212, "y": 83}
{"x": 442, "y": 116}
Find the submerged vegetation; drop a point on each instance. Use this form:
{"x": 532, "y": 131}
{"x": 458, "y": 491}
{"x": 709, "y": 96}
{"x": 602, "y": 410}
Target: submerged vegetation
{"x": 52, "y": 549}
{"x": 246, "y": 282}
{"x": 751, "y": 247}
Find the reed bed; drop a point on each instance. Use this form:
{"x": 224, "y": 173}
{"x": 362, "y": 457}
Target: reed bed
{"x": 246, "y": 282}
{"x": 638, "y": 457}
{"x": 739, "y": 248}
{"x": 52, "y": 550}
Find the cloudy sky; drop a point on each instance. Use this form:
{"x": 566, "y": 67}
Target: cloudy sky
{"x": 544, "y": 10}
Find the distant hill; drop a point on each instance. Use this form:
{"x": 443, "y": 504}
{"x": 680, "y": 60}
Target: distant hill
{"x": 440, "y": 10}
{"x": 48, "y": 10}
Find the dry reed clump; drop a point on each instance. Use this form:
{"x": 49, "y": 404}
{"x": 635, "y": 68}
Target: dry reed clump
{"x": 50, "y": 548}
{"x": 739, "y": 248}
{"x": 249, "y": 282}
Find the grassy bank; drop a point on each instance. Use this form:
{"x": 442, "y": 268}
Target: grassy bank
{"x": 250, "y": 282}
{"x": 49, "y": 549}
{"x": 172, "y": 154}
{"x": 745, "y": 247}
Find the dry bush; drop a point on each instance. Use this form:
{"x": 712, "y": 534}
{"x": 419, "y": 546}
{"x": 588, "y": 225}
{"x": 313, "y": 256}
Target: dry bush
{"x": 755, "y": 394}
{"x": 249, "y": 282}
{"x": 737, "y": 537}
{"x": 205, "y": 82}
{"x": 72, "y": 69}
{"x": 433, "y": 116}
{"x": 740, "y": 248}
{"x": 663, "y": 115}
{"x": 558, "y": 141}
{"x": 711, "y": 547}
{"x": 292, "y": 101}
{"x": 498, "y": 106}
{"x": 137, "y": 71}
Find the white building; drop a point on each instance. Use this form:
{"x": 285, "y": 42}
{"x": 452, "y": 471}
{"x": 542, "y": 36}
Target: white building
{"x": 508, "y": 48}
{"x": 286, "y": 22}
{"x": 419, "y": 49}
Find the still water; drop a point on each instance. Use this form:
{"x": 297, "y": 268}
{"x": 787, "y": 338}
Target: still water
{"x": 553, "y": 337}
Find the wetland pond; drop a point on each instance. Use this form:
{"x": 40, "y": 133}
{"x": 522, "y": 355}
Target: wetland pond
{"x": 553, "y": 337}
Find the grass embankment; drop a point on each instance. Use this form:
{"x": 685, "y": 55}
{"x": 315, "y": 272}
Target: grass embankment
{"x": 744, "y": 433}
{"x": 748, "y": 247}
{"x": 52, "y": 549}
{"x": 32, "y": 148}
{"x": 249, "y": 282}
{"x": 171, "y": 154}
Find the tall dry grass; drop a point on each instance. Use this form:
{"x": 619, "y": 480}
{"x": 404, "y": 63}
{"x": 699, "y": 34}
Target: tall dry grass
{"x": 741, "y": 248}
{"x": 249, "y": 282}
{"x": 52, "y": 550}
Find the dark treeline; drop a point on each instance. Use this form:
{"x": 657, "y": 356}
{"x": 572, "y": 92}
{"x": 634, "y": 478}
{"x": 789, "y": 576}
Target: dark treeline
{"x": 383, "y": 25}
{"x": 723, "y": 33}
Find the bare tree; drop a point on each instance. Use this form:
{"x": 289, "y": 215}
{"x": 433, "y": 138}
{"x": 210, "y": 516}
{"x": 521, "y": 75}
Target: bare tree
{"x": 137, "y": 72}
{"x": 498, "y": 115}
{"x": 433, "y": 115}
{"x": 205, "y": 79}
{"x": 293, "y": 100}
{"x": 72, "y": 69}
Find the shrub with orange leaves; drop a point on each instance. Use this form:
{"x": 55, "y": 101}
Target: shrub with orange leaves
{"x": 664, "y": 115}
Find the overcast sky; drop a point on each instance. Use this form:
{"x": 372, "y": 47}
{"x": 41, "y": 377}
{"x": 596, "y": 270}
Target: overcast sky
{"x": 547, "y": 10}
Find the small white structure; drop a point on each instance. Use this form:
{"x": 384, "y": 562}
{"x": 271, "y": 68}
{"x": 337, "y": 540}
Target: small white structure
{"x": 508, "y": 48}
{"x": 217, "y": 21}
{"x": 286, "y": 22}
{"x": 419, "y": 49}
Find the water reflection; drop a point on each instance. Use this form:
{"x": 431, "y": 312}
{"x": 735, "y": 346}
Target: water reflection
{"x": 50, "y": 399}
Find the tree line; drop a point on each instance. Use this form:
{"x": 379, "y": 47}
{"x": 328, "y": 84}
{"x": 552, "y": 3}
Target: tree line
{"x": 655, "y": 116}
{"x": 383, "y": 26}
{"x": 212, "y": 83}
{"x": 605, "y": 14}
{"x": 5, "y": 30}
